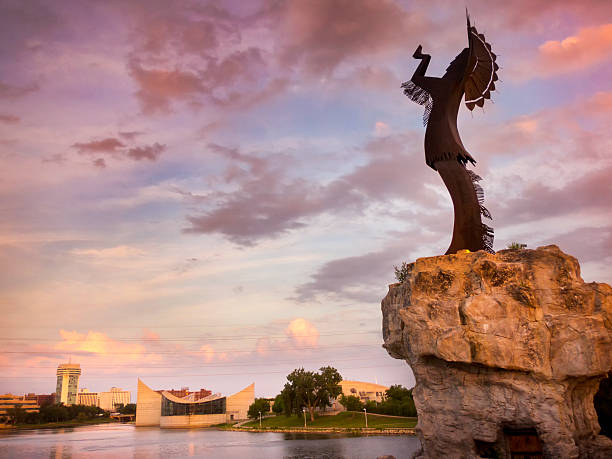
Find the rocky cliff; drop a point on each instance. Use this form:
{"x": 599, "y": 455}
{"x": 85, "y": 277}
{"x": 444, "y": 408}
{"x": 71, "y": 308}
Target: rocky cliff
{"x": 507, "y": 350}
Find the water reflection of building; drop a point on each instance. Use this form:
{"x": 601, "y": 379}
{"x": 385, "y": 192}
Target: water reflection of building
{"x": 67, "y": 383}
{"x": 161, "y": 408}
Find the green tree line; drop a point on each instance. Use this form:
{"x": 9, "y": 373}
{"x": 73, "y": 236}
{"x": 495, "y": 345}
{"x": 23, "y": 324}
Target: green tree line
{"x": 53, "y": 413}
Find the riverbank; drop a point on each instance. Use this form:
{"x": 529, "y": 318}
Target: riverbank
{"x": 329, "y": 430}
{"x": 345, "y": 422}
{"x": 55, "y": 425}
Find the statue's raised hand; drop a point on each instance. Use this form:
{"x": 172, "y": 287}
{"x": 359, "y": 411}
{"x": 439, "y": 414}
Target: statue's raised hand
{"x": 418, "y": 54}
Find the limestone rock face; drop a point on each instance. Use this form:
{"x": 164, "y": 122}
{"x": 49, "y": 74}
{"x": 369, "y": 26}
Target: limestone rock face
{"x": 506, "y": 349}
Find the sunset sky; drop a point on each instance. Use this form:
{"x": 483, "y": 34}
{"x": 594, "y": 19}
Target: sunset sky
{"x": 209, "y": 194}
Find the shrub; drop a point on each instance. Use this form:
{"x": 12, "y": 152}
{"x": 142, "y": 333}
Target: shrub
{"x": 351, "y": 403}
{"x": 401, "y": 273}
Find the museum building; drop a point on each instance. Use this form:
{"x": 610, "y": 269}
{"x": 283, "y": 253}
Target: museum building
{"x": 161, "y": 408}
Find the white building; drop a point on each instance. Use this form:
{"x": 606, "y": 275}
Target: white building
{"x": 109, "y": 401}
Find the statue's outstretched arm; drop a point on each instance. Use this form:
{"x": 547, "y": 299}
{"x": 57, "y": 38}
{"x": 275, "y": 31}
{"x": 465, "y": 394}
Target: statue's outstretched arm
{"x": 419, "y": 78}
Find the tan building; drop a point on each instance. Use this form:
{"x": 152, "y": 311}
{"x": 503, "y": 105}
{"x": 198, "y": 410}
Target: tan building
{"x": 161, "y": 408}
{"x": 67, "y": 383}
{"x": 365, "y": 391}
{"x": 109, "y": 401}
{"x": 8, "y": 401}
{"x": 85, "y": 397}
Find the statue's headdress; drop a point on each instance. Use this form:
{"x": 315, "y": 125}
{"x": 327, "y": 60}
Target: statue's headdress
{"x": 481, "y": 69}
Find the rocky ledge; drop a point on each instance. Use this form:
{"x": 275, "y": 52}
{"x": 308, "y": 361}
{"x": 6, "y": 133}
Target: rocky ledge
{"x": 508, "y": 351}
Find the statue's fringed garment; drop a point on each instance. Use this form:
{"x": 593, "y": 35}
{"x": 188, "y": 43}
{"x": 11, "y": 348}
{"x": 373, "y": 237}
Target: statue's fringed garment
{"x": 487, "y": 231}
{"x": 420, "y": 96}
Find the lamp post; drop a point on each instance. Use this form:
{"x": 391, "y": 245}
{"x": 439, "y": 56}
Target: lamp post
{"x": 304, "y": 410}
{"x": 260, "y": 419}
{"x": 365, "y": 412}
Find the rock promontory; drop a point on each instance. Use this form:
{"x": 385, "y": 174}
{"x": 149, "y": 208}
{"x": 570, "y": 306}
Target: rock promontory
{"x": 508, "y": 351}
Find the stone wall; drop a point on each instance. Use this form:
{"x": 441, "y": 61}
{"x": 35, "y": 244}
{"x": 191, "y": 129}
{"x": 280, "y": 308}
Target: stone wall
{"x": 506, "y": 349}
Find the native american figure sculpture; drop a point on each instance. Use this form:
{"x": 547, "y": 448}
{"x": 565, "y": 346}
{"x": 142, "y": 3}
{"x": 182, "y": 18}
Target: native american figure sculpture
{"x": 473, "y": 73}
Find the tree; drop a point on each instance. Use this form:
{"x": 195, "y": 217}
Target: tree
{"x": 279, "y": 404}
{"x": 17, "y": 414}
{"x": 130, "y": 408}
{"x": 351, "y": 403}
{"x": 311, "y": 389}
{"x": 260, "y": 404}
{"x": 399, "y": 402}
{"x": 401, "y": 273}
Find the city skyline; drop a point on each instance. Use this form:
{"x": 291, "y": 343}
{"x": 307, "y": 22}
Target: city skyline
{"x": 212, "y": 194}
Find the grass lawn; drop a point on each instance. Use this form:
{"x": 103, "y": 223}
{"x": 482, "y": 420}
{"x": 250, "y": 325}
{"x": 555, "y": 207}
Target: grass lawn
{"x": 72, "y": 423}
{"x": 345, "y": 420}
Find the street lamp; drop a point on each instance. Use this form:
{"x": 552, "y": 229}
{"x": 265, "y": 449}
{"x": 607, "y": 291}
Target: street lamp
{"x": 304, "y": 410}
{"x": 260, "y": 419}
{"x": 365, "y": 412}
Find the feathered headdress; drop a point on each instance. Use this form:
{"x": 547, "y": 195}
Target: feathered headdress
{"x": 481, "y": 70}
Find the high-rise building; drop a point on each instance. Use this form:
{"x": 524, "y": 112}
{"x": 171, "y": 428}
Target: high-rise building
{"x": 67, "y": 383}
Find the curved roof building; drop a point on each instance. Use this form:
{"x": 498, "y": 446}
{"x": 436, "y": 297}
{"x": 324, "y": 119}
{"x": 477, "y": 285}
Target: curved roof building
{"x": 163, "y": 409}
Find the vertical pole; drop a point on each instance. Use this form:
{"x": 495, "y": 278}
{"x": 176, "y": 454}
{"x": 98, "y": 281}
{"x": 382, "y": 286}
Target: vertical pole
{"x": 304, "y": 410}
{"x": 365, "y": 412}
{"x": 260, "y": 419}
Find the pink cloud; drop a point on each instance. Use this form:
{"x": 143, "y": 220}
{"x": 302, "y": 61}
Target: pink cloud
{"x": 117, "y": 149}
{"x": 589, "y": 47}
{"x": 159, "y": 87}
{"x": 108, "y": 145}
{"x": 322, "y": 33}
{"x": 302, "y": 332}
{"x": 150, "y": 152}
{"x": 100, "y": 344}
{"x": 9, "y": 119}
{"x": 8, "y": 91}
{"x": 130, "y": 135}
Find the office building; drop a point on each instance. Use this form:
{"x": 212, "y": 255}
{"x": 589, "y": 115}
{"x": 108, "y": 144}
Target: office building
{"x": 8, "y": 401}
{"x": 45, "y": 399}
{"x": 364, "y": 391}
{"x": 67, "y": 383}
{"x": 161, "y": 408}
{"x": 110, "y": 401}
{"x": 85, "y": 397}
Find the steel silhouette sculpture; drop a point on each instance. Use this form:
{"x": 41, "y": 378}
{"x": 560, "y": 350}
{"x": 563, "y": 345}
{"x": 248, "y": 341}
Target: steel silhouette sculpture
{"x": 473, "y": 73}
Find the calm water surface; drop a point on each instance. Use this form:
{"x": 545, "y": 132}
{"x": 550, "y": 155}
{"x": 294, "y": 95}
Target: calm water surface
{"x": 124, "y": 440}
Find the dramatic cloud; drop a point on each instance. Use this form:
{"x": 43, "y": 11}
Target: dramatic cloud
{"x": 321, "y": 34}
{"x": 150, "y": 152}
{"x": 589, "y": 192}
{"x": 121, "y": 251}
{"x": 9, "y": 119}
{"x": 590, "y": 46}
{"x": 108, "y": 145}
{"x": 130, "y": 135}
{"x": 98, "y": 343}
{"x": 159, "y": 87}
{"x": 209, "y": 354}
{"x": 268, "y": 203}
{"x": 302, "y": 332}
{"x": 353, "y": 277}
{"x": 8, "y": 91}
{"x": 114, "y": 147}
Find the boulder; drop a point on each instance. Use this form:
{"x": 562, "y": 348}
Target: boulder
{"x": 508, "y": 351}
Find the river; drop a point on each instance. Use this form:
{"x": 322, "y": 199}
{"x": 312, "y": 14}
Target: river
{"x": 127, "y": 441}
